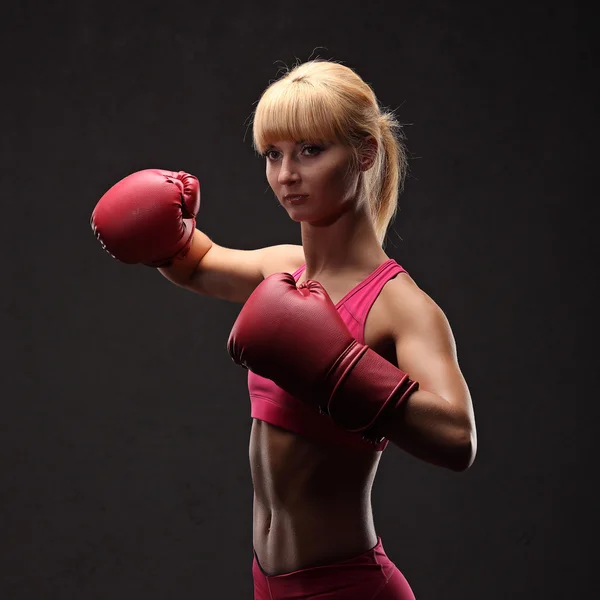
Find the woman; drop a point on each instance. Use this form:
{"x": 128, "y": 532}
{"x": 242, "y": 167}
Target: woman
{"x": 336, "y": 163}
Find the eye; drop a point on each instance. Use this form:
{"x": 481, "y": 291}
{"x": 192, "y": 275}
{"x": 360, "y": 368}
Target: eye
{"x": 313, "y": 149}
{"x": 269, "y": 154}
{"x": 310, "y": 150}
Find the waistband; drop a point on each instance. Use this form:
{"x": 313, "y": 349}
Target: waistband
{"x": 375, "y": 556}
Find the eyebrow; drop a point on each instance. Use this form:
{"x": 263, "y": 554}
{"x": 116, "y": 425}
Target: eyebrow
{"x": 296, "y": 143}
{"x": 270, "y": 146}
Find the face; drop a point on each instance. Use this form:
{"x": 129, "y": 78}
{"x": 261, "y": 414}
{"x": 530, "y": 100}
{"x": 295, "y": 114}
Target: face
{"x": 311, "y": 179}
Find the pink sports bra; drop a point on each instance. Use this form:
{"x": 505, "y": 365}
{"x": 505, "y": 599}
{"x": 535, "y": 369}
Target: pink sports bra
{"x": 275, "y": 406}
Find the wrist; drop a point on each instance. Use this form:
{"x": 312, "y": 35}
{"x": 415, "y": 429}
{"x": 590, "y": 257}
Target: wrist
{"x": 181, "y": 268}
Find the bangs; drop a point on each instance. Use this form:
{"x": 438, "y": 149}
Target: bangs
{"x": 297, "y": 111}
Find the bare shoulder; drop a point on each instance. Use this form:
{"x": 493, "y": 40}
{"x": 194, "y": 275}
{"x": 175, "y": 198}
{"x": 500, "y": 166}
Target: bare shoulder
{"x": 284, "y": 258}
{"x": 409, "y": 308}
{"x": 403, "y": 294}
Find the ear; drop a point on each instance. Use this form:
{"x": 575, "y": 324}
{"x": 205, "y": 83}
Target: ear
{"x": 368, "y": 153}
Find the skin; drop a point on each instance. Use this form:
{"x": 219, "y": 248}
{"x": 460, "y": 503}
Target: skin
{"x": 312, "y": 502}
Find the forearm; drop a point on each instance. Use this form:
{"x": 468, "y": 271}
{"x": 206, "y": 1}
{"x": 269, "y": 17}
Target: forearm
{"x": 182, "y": 270}
{"x": 434, "y": 430}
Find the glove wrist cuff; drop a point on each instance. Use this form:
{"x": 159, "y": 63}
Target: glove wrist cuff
{"x": 368, "y": 390}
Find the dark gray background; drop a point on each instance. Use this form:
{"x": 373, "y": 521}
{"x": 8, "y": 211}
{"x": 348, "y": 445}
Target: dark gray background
{"x": 123, "y": 439}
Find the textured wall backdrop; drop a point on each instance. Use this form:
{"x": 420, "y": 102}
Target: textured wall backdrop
{"x": 124, "y": 429}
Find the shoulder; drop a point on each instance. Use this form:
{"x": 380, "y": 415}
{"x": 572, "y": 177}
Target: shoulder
{"x": 284, "y": 258}
{"x": 409, "y": 309}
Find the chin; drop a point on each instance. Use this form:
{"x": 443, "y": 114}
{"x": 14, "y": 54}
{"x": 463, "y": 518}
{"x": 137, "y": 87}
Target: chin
{"x": 303, "y": 214}
{"x": 298, "y": 215}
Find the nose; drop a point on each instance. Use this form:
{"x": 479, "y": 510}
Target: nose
{"x": 288, "y": 173}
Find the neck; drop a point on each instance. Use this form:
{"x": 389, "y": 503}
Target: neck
{"x": 348, "y": 243}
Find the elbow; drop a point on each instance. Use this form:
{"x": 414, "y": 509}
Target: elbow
{"x": 463, "y": 452}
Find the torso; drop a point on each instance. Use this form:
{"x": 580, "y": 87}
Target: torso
{"x": 312, "y": 502}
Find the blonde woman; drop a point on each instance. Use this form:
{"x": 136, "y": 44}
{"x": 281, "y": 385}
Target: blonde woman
{"x": 345, "y": 352}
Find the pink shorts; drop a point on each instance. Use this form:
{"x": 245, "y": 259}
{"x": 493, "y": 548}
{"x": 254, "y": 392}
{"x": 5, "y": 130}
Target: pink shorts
{"x": 369, "y": 576}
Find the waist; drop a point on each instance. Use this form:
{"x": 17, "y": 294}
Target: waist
{"x": 287, "y": 541}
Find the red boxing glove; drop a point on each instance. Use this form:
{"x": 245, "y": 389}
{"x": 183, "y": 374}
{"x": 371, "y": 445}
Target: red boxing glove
{"x": 296, "y": 337}
{"x": 148, "y": 217}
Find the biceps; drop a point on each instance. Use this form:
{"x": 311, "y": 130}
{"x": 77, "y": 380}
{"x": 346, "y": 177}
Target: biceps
{"x": 435, "y": 368}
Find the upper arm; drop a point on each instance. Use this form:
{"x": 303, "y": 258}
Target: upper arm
{"x": 234, "y": 274}
{"x": 426, "y": 349}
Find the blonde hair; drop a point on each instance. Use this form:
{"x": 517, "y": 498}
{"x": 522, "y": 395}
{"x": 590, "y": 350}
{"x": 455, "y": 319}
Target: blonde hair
{"x": 322, "y": 99}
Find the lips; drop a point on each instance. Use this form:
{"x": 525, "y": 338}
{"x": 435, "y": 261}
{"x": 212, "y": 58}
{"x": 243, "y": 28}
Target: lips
{"x": 295, "y": 198}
